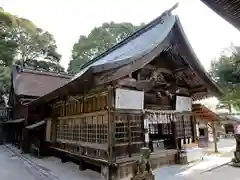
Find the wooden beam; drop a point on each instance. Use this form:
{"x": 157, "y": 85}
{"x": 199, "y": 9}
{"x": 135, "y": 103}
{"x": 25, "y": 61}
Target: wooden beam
{"x": 183, "y": 68}
{"x": 149, "y": 67}
{"x": 145, "y": 85}
{"x": 198, "y": 89}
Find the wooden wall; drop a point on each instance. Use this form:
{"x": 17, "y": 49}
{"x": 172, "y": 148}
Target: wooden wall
{"x": 80, "y": 124}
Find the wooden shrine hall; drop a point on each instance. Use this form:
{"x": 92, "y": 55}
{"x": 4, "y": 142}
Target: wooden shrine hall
{"x": 133, "y": 95}
{"x": 26, "y": 86}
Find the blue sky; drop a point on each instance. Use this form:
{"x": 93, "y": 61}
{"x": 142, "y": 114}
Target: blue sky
{"x": 67, "y": 20}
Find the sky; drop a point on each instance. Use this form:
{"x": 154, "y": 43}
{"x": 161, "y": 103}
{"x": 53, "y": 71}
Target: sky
{"x": 207, "y": 32}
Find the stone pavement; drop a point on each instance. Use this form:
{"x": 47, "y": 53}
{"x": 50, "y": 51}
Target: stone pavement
{"x": 197, "y": 169}
{"x": 51, "y": 168}
{"x": 12, "y": 167}
{"x": 178, "y": 172}
{"x": 221, "y": 173}
{"x": 224, "y": 145}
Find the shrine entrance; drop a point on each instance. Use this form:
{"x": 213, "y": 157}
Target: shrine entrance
{"x": 160, "y": 127}
{"x": 168, "y": 129}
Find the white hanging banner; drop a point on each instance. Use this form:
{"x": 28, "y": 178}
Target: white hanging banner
{"x": 146, "y": 123}
{"x": 146, "y": 137}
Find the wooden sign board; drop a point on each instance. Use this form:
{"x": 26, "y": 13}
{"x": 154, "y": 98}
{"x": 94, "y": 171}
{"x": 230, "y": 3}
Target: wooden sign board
{"x": 183, "y": 103}
{"x": 129, "y": 99}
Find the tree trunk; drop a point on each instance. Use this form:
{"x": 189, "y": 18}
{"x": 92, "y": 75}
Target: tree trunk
{"x": 214, "y": 137}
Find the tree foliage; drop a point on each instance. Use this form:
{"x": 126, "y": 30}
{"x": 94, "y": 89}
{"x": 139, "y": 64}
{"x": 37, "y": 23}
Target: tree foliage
{"x": 226, "y": 72}
{"x": 23, "y": 43}
{"x": 99, "y": 40}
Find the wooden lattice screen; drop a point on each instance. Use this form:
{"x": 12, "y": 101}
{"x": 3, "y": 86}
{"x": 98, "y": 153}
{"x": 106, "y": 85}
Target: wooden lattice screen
{"x": 128, "y": 134}
{"x": 183, "y": 126}
{"x": 80, "y": 105}
{"x": 91, "y": 129}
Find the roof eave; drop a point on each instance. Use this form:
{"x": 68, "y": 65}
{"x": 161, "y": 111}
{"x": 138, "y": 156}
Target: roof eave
{"x": 195, "y": 64}
{"x": 224, "y": 13}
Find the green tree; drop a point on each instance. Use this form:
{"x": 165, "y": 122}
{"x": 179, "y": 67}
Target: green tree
{"x": 30, "y": 42}
{"x": 39, "y": 45}
{"x": 99, "y": 40}
{"x": 226, "y": 72}
{"x": 23, "y": 43}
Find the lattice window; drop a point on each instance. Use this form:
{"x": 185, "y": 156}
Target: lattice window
{"x": 183, "y": 126}
{"x": 166, "y": 128}
{"x": 136, "y": 127}
{"x": 153, "y": 128}
{"x": 92, "y": 129}
{"x": 104, "y": 129}
{"x": 188, "y": 126}
{"x": 83, "y": 129}
{"x": 121, "y": 135}
{"x": 89, "y": 129}
{"x": 76, "y": 130}
{"x": 58, "y": 131}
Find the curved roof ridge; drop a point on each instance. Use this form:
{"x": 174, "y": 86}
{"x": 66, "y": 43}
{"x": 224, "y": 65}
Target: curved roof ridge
{"x": 136, "y": 34}
{"x": 40, "y": 72}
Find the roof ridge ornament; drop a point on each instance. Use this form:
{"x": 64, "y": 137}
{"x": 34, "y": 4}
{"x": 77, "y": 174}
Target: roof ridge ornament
{"x": 167, "y": 13}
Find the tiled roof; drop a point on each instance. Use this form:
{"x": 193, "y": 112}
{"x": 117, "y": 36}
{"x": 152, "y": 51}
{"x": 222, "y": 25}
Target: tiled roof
{"x": 141, "y": 42}
{"x": 36, "y": 83}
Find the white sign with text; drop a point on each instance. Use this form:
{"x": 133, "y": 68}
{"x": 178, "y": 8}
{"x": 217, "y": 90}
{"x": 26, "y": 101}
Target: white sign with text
{"x": 183, "y": 103}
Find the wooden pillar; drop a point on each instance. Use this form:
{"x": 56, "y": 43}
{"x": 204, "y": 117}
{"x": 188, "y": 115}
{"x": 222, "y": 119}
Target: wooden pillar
{"x": 1, "y": 132}
{"x": 146, "y": 131}
{"x": 129, "y": 135}
{"x": 25, "y": 141}
{"x": 25, "y": 145}
{"x": 111, "y": 125}
{"x": 194, "y": 122}
{"x": 174, "y": 134}
{"x": 112, "y": 172}
{"x": 214, "y": 137}
{"x": 54, "y": 130}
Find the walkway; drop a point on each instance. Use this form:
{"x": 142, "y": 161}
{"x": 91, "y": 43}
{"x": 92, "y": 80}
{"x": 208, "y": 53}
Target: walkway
{"x": 27, "y": 167}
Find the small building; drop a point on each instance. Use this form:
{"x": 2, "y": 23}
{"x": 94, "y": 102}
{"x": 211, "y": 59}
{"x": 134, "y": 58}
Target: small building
{"x": 229, "y": 121}
{"x": 206, "y": 120}
{"x": 26, "y": 86}
{"x": 133, "y": 95}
